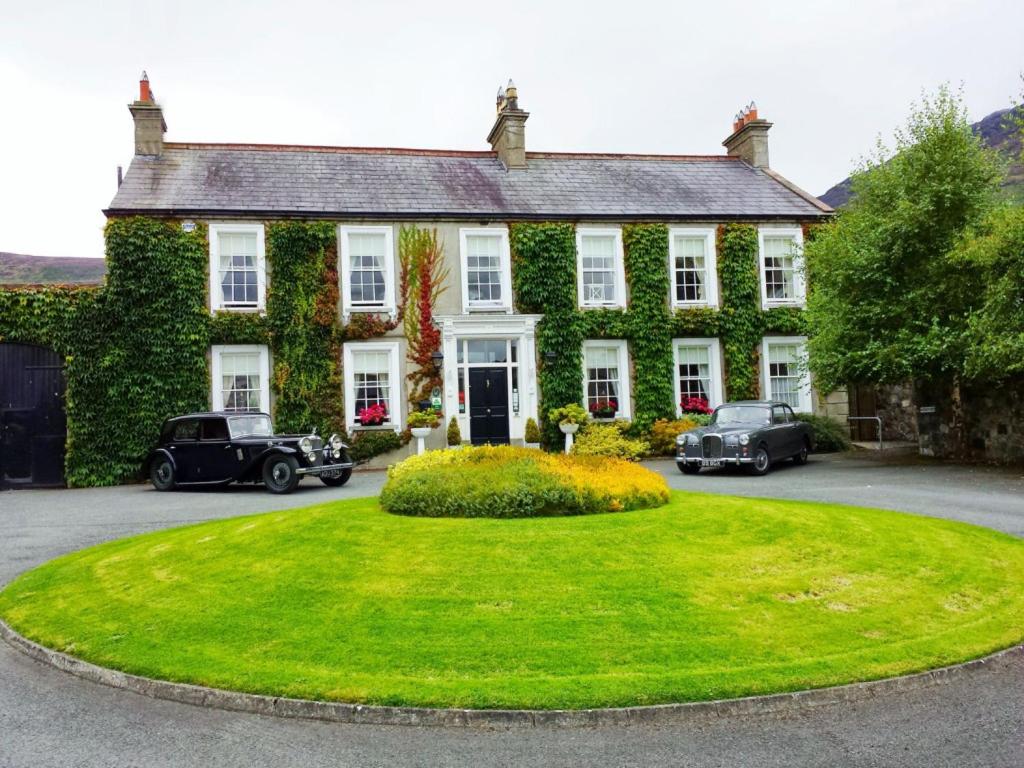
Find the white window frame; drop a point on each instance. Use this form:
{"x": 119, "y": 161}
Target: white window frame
{"x": 799, "y": 287}
{"x": 505, "y": 305}
{"x": 347, "y": 308}
{"x": 806, "y": 404}
{"x": 625, "y": 410}
{"x": 618, "y": 266}
{"x": 397, "y": 384}
{"x": 217, "y": 368}
{"x": 714, "y": 347}
{"x": 216, "y": 296}
{"x": 710, "y": 235}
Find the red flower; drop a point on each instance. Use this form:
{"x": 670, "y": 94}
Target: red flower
{"x": 694, "y": 405}
{"x": 373, "y": 415}
{"x": 604, "y": 406}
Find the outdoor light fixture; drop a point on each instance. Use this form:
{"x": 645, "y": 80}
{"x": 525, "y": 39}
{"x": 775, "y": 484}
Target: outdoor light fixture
{"x": 550, "y": 356}
{"x": 437, "y": 358}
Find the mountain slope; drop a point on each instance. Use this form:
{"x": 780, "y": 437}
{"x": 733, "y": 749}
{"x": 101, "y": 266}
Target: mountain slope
{"x": 996, "y": 131}
{"x": 18, "y": 269}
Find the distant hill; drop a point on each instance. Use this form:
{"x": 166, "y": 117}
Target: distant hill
{"x": 996, "y": 131}
{"x": 18, "y": 269}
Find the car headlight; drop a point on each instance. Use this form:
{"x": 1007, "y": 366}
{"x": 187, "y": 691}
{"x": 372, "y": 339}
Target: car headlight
{"x": 311, "y": 457}
{"x": 336, "y": 442}
{"x": 744, "y": 439}
{"x": 306, "y": 445}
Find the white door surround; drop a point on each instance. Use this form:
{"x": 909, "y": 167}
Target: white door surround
{"x": 518, "y": 328}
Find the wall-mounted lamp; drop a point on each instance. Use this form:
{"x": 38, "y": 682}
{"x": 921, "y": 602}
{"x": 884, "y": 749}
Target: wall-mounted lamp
{"x": 437, "y": 358}
{"x": 550, "y": 356}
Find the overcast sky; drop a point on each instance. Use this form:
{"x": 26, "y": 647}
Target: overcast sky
{"x": 660, "y": 77}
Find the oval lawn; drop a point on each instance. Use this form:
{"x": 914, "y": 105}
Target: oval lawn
{"x": 707, "y": 597}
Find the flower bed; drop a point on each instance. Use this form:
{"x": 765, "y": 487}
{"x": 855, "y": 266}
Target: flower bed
{"x": 517, "y": 482}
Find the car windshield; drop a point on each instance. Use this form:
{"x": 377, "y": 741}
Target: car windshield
{"x": 742, "y": 414}
{"x": 253, "y": 425}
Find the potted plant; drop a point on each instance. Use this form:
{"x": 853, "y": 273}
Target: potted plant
{"x": 373, "y": 415}
{"x": 532, "y": 434}
{"x": 454, "y": 434}
{"x": 694, "y": 405}
{"x": 420, "y": 423}
{"x": 604, "y": 409}
{"x": 569, "y": 418}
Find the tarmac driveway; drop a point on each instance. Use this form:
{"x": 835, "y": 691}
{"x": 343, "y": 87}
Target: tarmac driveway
{"x": 48, "y": 718}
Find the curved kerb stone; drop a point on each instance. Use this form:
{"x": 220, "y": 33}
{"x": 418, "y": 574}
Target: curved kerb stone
{"x": 493, "y": 718}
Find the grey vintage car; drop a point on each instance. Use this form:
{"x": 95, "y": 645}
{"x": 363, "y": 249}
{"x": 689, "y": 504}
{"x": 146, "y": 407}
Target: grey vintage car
{"x": 750, "y": 433}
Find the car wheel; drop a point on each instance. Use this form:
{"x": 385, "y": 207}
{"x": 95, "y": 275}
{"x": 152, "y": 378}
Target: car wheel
{"x": 280, "y": 474}
{"x": 801, "y": 458}
{"x": 762, "y": 462}
{"x": 689, "y": 469}
{"x": 161, "y": 473}
{"x": 336, "y": 478}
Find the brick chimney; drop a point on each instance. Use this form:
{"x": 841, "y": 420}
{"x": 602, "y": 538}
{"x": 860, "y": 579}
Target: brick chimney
{"x": 149, "y": 121}
{"x": 508, "y": 136}
{"x": 749, "y": 138}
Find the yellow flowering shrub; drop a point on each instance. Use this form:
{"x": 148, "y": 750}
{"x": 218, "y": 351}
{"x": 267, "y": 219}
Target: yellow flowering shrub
{"x": 505, "y": 481}
{"x": 609, "y": 440}
{"x": 664, "y": 433}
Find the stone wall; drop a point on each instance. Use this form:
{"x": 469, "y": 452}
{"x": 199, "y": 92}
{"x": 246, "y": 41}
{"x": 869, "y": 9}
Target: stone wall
{"x": 994, "y": 423}
{"x": 897, "y": 408}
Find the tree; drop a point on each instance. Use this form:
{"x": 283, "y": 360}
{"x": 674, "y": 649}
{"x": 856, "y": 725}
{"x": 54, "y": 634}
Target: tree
{"x": 889, "y": 302}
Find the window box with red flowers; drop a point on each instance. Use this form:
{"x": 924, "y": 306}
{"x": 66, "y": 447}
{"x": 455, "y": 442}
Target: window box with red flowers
{"x": 604, "y": 409}
{"x": 694, "y": 405}
{"x": 374, "y": 415}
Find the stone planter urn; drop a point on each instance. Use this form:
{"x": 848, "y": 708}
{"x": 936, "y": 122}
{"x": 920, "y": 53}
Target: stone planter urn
{"x": 568, "y": 430}
{"x": 420, "y": 433}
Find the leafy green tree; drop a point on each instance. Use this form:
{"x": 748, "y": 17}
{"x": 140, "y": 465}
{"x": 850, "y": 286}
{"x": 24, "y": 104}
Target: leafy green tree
{"x": 888, "y": 301}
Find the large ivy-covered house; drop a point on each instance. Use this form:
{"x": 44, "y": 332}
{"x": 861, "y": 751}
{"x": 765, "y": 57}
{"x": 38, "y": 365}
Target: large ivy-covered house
{"x": 320, "y": 283}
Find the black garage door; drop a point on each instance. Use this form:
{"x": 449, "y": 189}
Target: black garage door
{"x": 33, "y": 426}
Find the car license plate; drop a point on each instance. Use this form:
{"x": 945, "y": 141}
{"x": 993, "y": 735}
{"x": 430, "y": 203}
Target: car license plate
{"x": 711, "y": 462}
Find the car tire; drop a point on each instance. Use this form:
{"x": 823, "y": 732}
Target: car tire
{"x": 336, "y": 480}
{"x": 762, "y": 461}
{"x": 281, "y": 474}
{"x": 161, "y": 473}
{"x": 689, "y": 469}
{"x": 801, "y": 458}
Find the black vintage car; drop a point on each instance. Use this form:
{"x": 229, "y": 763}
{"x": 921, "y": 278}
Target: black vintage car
{"x": 750, "y": 433}
{"x": 207, "y": 449}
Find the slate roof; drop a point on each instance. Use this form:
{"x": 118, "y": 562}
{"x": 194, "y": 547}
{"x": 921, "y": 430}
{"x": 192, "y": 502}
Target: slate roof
{"x": 191, "y": 179}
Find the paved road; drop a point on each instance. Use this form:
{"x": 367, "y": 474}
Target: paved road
{"x": 48, "y": 718}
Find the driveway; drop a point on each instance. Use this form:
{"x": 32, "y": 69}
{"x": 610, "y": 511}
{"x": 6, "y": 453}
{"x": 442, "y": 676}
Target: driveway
{"x": 48, "y": 718}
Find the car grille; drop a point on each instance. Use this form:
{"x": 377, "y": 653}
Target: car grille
{"x": 711, "y": 446}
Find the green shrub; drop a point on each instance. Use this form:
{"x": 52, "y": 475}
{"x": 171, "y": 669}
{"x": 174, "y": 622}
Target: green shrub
{"x": 532, "y": 433}
{"x": 609, "y": 440}
{"x": 829, "y": 435}
{"x": 366, "y": 445}
{"x": 572, "y": 413}
{"x": 422, "y": 419}
{"x": 454, "y": 434}
{"x": 505, "y": 481}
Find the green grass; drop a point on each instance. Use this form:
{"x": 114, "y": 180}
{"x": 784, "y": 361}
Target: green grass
{"x": 706, "y": 597}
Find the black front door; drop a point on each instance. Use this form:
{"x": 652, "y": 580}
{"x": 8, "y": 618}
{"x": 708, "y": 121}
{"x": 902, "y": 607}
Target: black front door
{"x": 488, "y": 405}
{"x": 33, "y": 427}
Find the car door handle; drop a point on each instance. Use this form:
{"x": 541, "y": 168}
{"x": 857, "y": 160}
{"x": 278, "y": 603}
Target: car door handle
{"x": 227, "y": 447}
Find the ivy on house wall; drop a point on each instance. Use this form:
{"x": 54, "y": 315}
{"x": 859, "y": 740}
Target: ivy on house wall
{"x": 543, "y": 263}
{"x": 302, "y": 317}
{"x": 646, "y": 254}
{"x": 135, "y": 349}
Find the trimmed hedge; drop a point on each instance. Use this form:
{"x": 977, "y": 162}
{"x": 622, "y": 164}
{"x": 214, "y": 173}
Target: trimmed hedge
{"x": 829, "y": 436}
{"x": 517, "y": 482}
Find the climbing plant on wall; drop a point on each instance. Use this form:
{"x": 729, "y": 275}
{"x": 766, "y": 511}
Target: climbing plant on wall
{"x": 543, "y": 261}
{"x": 135, "y": 349}
{"x": 422, "y": 259}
